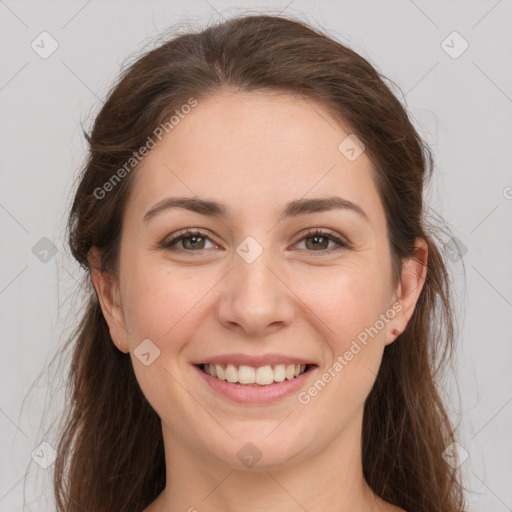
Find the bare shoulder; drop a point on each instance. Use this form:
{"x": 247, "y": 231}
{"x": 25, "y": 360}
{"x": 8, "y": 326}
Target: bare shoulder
{"x": 152, "y": 507}
{"x": 388, "y": 507}
{"x": 394, "y": 508}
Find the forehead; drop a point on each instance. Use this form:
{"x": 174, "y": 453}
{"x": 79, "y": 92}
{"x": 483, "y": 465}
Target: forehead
{"x": 254, "y": 151}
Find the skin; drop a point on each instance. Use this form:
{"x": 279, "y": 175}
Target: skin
{"x": 255, "y": 152}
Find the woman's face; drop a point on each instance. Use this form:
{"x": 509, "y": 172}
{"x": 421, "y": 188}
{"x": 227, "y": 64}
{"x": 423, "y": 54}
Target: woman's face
{"x": 253, "y": 288}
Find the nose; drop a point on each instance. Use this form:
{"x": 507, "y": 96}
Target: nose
{"x": 254, "y": 298}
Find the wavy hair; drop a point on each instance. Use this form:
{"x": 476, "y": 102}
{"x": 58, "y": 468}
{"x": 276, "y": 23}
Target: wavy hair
{"x": 110, "y": 454}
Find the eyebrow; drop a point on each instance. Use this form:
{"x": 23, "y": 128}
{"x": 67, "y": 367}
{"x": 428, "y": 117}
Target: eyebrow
{"x": 215, "y": 209}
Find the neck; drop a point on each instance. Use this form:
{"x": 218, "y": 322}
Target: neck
{"x": 331, "y": 481}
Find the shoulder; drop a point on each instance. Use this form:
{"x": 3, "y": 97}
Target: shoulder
{"x": 394, "y": 508}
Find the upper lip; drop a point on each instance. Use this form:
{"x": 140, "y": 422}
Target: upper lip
{"x": 256, "y": 361}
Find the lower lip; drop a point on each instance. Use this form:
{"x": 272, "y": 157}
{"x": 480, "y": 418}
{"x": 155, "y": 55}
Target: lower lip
{"x": 243, "y": 394}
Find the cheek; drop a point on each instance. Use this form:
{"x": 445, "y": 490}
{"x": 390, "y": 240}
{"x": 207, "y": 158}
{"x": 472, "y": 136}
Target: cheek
{"x": 164, "y": 304}
{"x": 350, "y": 303}
{"x": 347, "y": 300}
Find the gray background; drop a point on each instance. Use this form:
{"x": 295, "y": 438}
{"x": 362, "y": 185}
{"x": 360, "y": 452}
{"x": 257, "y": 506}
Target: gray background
{"x": 462, "y": 106}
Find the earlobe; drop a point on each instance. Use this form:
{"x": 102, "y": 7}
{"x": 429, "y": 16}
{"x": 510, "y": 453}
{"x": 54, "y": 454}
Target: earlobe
{"x": 410, "y": 285}
{"x": 108, "y": 296}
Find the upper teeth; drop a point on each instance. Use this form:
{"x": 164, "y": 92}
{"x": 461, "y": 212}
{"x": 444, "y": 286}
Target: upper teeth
{"x": 250, "y": 375}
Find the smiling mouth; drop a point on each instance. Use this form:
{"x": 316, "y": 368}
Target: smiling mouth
{"x": 255, "y": 376}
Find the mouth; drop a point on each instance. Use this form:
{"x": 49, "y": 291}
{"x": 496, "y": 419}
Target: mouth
{"x": 252, "y": 376}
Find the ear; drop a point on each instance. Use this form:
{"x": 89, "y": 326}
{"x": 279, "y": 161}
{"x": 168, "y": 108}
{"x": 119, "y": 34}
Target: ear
{"x": 412, "y": 279}
{"x": 107, "y": 291}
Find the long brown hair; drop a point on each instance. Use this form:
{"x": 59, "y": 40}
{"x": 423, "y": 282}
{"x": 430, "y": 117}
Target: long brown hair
{"x": 110, "y": 454}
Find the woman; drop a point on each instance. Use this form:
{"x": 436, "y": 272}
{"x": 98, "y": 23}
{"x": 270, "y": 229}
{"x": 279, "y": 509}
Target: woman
{"x": 267, "y": 310}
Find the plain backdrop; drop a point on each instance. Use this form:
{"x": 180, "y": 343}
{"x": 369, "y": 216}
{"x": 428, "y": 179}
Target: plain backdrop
{"x": 458, "y": 91}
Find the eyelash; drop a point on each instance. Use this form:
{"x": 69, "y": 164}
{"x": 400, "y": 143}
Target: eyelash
{"x": 310, "y": 233}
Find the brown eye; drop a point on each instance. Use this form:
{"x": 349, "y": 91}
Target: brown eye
{"x": 317, "y": 240}
{"x": 191, "y": 241}
{"x": 194, "y": 242}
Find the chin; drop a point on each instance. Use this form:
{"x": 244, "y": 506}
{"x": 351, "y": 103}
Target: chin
{"x": 262, "y": 452}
